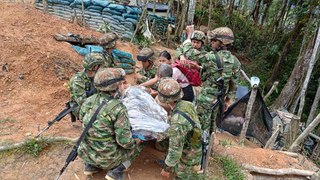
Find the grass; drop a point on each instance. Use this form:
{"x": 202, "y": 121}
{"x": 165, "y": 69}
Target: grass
{"x": 34, "y": 147}
{"x": 7, "y": 120}
{"x": 230, "y": 168}
{"x": 225, "y": 142}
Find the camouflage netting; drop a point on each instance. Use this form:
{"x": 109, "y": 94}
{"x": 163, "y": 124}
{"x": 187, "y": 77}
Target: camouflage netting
{"x": 260, "y": 126}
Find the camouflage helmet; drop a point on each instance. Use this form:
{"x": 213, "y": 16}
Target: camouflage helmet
{"x": 198, "y": 35}
{"x": 169, "y": 90}
{"x": 108, "y": 40}
{"x": 108, "y": 79}
{"x": 92, "y": 59}
{"x": 146, "y": 54}
{"x": 223, "y": 34}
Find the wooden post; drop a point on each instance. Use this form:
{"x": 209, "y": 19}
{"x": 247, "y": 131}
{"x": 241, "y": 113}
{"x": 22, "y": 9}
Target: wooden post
{"x": 275, "y": 84}
{"x": 141, "y": 19}
{"x": 168, "y": 28}
{"x": 248, "y": 114}
{"x": 304, "y": 134}
{"x": 45, "y": 6}
{"x": 82, "y": 9}
{"x": 273, "y": 138}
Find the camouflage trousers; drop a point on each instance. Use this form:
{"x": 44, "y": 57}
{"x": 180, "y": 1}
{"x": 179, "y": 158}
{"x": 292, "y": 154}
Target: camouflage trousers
{"x": 185, "y": 172}
{"x": 107, "y": 159}
{"x": 204, "y": 108}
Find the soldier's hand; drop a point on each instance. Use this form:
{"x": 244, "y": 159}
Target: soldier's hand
{"x": 183, "y": 60}
{"x": 165, "y": 174}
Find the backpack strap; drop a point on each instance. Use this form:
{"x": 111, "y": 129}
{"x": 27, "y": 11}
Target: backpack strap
{"x": 185, "y": 116}
{"x": 92, "y": 120}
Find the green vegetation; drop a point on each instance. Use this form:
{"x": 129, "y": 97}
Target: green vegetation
{"x": 141, "y": 41}
{"x": 34, "y": 147}
{"x": 225, "y": 142}
{"x": 231, "y": 170}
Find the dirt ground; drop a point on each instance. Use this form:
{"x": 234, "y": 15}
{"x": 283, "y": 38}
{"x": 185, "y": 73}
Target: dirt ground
{"x": 33, "y": 74}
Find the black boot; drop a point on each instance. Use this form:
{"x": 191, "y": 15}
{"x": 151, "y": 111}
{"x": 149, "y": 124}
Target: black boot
{"x": 90, "y": 169}
{"x": 116, "y": 173}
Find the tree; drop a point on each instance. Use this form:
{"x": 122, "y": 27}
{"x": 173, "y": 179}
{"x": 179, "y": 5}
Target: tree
{"x": 301, "y": 22}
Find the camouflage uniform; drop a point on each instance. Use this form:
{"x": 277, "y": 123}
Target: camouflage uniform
{"x": 209, "y": 75}
{"x": 109, "y": 141}
{"x": 187, "y": 49}
{"x": 147, "y": 74}
{"x": 146, "y": 54}
{"x": 81, "y": 85}
{"x": 184, "y": 150}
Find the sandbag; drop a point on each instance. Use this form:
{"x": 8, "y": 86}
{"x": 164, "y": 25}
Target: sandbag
{"x": 117, "y": 7}
{"x": 119, "y": 18}
{"x": 133, "y": 16}
{"x": 79, "y": 2}
{"x": 146, "y": 117}
{"x": 98, "y": 8}
{"x": 133, "y": 21}
{"x": 102, "y": 3}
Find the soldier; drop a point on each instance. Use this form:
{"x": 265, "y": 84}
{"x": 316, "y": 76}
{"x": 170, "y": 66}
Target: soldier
{"x": 109, "y": 143}
{"x": 81, "y": 84}
{"x": 192, "y": 47}
{"x": 211, "y": 72}
{"x": 149, "y": 70}
{"x": 108, "y": 42}
{"x": 184, "y": 133}
{"x": 221, "y": 41}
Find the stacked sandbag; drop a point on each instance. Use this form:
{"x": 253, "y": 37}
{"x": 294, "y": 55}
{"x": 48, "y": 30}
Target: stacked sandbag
{"x": 124, "y": 60}
{"x": 160, "y": 23}
{"x": 121, "y": 19}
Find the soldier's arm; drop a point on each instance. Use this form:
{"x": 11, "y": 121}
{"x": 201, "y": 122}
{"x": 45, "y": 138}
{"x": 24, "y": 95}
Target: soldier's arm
{"x": 78, "y": 91}
{"x": 176, "y": 143}
{"x": 236, "y": 70}
{"x": 84, "y": 109}
{"x": 122, "y": 128}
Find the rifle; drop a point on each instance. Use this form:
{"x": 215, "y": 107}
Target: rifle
{"x": 206, "y": 134}
{"x": 62, "y": 114}
{"x": 74, "y": 152}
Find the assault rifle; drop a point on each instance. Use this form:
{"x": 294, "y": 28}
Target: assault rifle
{"x": 206, "y": 134}
{"x": 62, "y": 114}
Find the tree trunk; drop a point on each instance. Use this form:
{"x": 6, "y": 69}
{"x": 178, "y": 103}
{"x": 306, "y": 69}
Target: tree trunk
{"x": 210, "y": 14}
{"x": 280, "y": 16}
{"x": 255, "y": 13}
{"x": 266, "y": 11}
{"x": 292, "y": 87}
{"x": 308, "y": 76}
{"x": 231, "y": 6}
{"x": 191, "y": 10}
{"x": 304, "y": 134}
{"x": 287, "y": 47}
{"x": 314, "y": 105}
{"x": 183, "y": 18}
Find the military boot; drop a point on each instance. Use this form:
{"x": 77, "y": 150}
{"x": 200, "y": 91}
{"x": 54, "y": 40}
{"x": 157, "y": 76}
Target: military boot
{"x": 89, "y": 170}
{"x": 116, "y": 173}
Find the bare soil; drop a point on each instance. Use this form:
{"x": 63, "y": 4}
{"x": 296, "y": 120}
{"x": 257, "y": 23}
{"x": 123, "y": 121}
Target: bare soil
{"x": 33, "y": 74}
